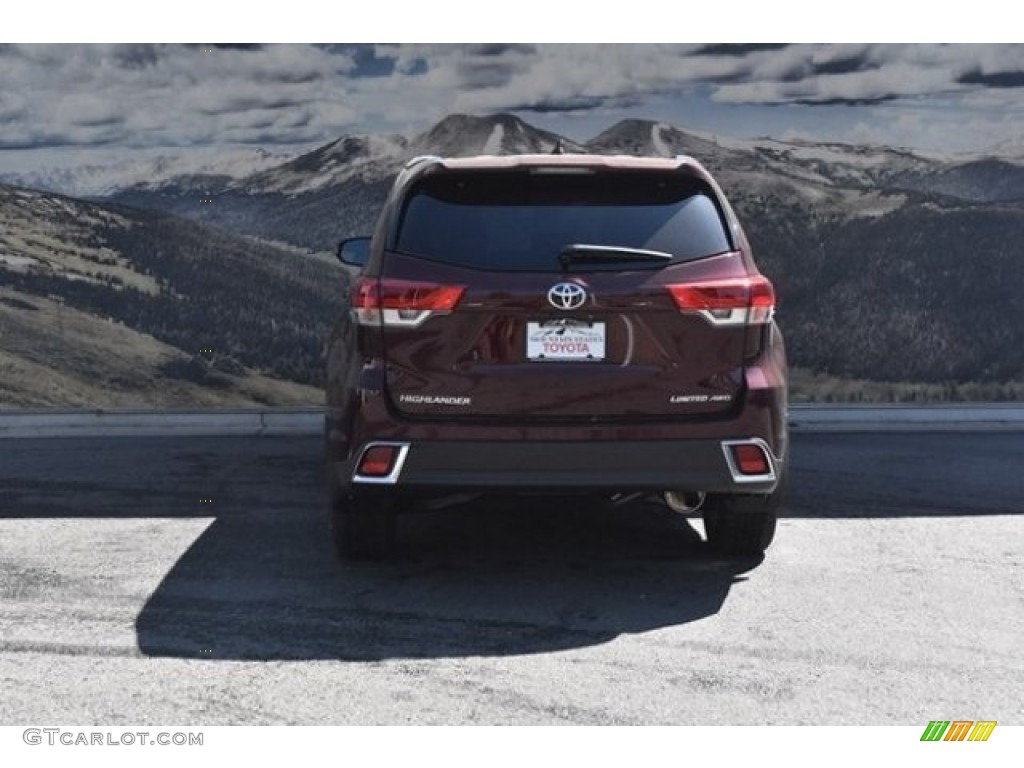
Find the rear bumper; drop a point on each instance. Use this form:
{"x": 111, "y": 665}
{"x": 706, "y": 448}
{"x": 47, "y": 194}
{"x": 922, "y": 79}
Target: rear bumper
{"x": 680, "y": 465}
{"x": 655, "y": 455}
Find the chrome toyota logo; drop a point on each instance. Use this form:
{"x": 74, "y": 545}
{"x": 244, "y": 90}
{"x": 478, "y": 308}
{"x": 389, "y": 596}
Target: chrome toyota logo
{"x": 567, "y": 296}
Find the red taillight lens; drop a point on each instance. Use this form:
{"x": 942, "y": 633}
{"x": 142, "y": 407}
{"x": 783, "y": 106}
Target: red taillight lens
{"x": 365, "y": 295}
{"x": 405, "y": 294}
{"x": 377, "y": 461}
{"x": 735, "y": 301}
{"x": 762, "y": 293}
{"x": 701, "y": 296}
{"x": 750, "y": 459}
{"x": 402, "y": 302}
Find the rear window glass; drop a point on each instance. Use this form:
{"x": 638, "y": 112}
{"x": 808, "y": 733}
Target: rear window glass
{"x": 521, "y": 221}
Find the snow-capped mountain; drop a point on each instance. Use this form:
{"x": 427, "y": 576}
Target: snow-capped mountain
{"x": 502, "y": 134}
{"x": 177, "y": 182}
{"x": 99, "y": 177}
{"x": 367, "y": 158}
{"x": 658, "y": 139}
{"x": 335, "y": 190}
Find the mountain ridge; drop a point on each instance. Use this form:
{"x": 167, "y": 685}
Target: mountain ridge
{"x": 461, "y": 134}
{"x": 873, "y": 251}
{"x": 135, "y": 307}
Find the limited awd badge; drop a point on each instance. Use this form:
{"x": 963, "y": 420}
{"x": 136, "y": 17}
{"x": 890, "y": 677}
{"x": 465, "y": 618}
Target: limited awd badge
{"x": 567, "y": 296}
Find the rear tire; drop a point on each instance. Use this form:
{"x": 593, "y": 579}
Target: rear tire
{"x": 742, "y": 525}
{"x": 738, "y": 528}
{"x": 362, "y": 526}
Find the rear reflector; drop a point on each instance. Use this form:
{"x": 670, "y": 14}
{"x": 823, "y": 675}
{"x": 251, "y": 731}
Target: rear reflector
{"x": 750, "y": 459}
{"x": 378, "y": 461}
{"x": 402, "y": 302}
{"x": 381, "y": 463}
{"x": 737, "y": 301}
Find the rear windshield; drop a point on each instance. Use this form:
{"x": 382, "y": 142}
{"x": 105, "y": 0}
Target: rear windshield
{"x": 521, "y": 221}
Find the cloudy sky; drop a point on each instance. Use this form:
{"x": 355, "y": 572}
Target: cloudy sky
{"x": 58, "y": 99}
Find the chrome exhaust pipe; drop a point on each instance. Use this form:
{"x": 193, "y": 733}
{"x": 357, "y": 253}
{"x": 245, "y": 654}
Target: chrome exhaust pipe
{"x": 684, "y": 502}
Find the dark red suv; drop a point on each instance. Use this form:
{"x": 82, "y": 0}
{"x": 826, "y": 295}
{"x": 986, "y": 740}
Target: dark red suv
{"x": 556, "y": 323}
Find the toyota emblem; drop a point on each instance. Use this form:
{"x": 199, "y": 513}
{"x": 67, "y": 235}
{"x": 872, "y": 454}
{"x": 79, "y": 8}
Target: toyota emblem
{"x": 567, "y": 296}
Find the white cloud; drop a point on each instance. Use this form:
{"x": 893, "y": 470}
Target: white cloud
{"x": 144, "y": 95}
{"x": 168, "y": 95}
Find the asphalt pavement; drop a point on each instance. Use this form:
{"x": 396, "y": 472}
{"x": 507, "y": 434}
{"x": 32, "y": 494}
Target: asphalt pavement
{"x": 188, "y": 580}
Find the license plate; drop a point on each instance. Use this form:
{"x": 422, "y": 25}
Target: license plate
{"x": 564, "y": 340}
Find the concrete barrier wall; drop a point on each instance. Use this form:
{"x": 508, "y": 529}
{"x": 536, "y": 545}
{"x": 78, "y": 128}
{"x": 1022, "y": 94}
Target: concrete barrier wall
{"x": 309, "y": 421}
{"x": 146, "y": 423}
{"x": 916, "y": 418}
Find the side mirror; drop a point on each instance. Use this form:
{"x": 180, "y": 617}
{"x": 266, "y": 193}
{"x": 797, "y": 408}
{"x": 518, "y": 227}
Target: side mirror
{"x": 354, "y": 251}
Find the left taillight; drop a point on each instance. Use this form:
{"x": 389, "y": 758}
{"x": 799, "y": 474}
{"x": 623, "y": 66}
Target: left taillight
{"x": 402, "y": 302}
{"x": 738, "y": 301}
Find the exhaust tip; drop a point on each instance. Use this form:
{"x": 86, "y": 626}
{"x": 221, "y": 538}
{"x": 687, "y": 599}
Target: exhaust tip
{"x": 684, "y": 502}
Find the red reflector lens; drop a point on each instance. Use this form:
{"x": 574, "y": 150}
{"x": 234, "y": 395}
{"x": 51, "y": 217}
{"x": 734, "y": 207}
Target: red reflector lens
{"x": 405, "y": 295}
{"x": 378, "y": 461}
{"x": 750, "y": 459}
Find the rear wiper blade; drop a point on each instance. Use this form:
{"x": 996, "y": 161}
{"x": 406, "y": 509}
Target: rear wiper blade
{"x": 584, "y": 253}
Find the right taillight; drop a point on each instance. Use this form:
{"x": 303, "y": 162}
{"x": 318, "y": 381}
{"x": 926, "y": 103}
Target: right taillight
{"x": 402, "y": 302}
{"x": 736, "y": 301}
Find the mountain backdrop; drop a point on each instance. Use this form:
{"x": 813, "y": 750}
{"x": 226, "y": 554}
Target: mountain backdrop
{"x": 897, "y": 273}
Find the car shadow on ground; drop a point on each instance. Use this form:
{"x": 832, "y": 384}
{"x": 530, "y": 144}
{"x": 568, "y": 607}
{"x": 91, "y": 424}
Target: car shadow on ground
{"x": 489, "y": 578}
{"x": 506, "y": 576}
{"x": 495, "y": 577}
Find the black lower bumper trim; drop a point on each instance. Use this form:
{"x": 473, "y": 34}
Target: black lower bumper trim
{"x": 681, "y": 465}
